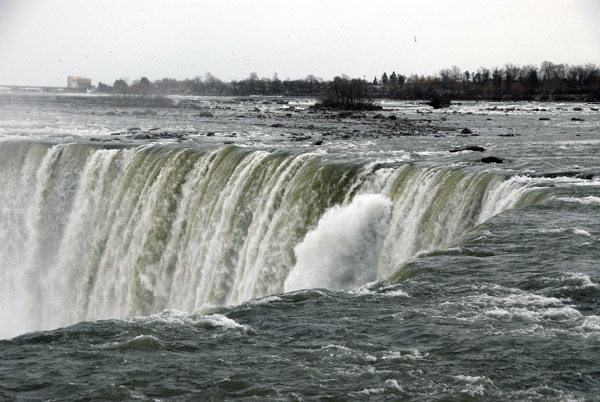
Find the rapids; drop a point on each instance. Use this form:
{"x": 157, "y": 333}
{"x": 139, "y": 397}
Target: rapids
{"x": 268, "y": 251}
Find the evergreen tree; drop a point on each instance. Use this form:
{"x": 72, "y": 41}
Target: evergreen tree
{"x": 103, "y": 87}
{"x": 384, "y": 79}
{"x": 120, "y": 86}
{"x": 145, "y": 87}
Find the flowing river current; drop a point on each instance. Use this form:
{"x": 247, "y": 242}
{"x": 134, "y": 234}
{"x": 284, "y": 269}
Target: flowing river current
{"x": 256, "y": 248}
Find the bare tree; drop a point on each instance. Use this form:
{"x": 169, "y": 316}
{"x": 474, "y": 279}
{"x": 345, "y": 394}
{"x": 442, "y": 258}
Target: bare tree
{"x": 346, "y": 93}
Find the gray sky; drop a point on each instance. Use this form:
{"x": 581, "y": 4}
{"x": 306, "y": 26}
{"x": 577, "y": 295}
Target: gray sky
{"x": 44, "y": 41}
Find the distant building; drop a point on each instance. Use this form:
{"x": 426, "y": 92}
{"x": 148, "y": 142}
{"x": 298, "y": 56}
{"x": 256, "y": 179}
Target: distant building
{"x": 76, "y": 82}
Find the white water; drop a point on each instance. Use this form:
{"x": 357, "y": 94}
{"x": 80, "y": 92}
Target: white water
{"x": 90, "y": 233}
{"x": 343, "y": 251}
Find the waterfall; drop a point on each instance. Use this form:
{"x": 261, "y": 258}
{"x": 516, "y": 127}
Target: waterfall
{"x": 91, "y": 232}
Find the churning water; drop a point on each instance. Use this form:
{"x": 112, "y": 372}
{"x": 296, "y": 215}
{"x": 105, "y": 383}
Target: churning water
{"x": 254, "y": 263}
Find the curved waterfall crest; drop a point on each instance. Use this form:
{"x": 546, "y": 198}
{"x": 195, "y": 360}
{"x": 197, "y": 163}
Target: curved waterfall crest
{"x": 92, "y": 232}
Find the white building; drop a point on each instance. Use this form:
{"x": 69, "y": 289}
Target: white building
{"x": 77, "y": 82}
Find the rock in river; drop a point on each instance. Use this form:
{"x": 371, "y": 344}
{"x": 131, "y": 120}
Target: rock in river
{"x": 475, "y": 148}
{"x": 491, "y": 159}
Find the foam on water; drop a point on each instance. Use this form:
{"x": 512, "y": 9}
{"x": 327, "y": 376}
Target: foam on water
{"x": 218, "y": 320}
{"x": 371, "y": 391}
{"x": 591, "y": 325}
{"x": 521, "y": 314}
{"x": 409, "y": 354}
{"x": 518, "y": 299}
{"x": 264, "y": 300}
{"x": 143, "y": 342}
{"x": 581, "y": 232}
{"x": 393, "y": 384}
{"x": 578, "y": 280}
{"x": 589, "y": 200}
{"x": 174, "y": 317}
{"x": 573, "y": 230}
{"x": 343, "y": 351}
{"x": 391, "y": 290}
{"x": 561, "y": 180}
{"x": 474, "y": 385}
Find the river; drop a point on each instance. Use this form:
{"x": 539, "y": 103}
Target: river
{"x": 227, "y": 248}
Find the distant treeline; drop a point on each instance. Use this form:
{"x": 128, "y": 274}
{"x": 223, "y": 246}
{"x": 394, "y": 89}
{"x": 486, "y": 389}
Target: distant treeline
{"x": 548, "y": 82}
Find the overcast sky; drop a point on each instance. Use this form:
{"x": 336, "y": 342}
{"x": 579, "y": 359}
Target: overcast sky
{"x": 44, "y": 41}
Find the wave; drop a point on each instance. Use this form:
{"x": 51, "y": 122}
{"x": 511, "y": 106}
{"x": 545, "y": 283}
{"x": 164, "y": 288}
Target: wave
{"x": 92, "y": 232}
{"x": 590, "y": 200}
